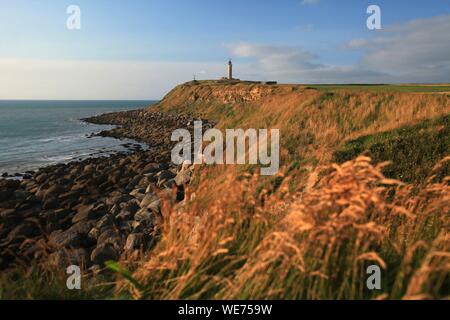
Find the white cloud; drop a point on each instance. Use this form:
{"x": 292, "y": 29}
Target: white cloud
{"x": 416, "y": 51}
{"x": 274, "y": 57}
{"x": 356, "y": 44}
{"x": 294, "y": 64}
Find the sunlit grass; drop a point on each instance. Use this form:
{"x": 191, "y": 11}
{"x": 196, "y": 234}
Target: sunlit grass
{"x": 311, "y": 231}
{"x": 384, "y": 87}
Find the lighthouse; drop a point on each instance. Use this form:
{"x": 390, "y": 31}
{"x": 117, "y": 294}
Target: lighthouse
{"x": 230, "y": 70}
{"x": 229, "y": 76}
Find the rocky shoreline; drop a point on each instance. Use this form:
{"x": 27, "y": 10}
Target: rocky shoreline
{"x": 99, "y": 209}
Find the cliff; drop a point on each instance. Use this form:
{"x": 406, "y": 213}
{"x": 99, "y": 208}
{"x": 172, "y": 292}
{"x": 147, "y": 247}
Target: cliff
{"x": 314, "y": 124}
{"x": 223, "y": 231}
{"x": 223, "y": 92}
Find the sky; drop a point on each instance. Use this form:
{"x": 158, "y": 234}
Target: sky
{"x": 140, "y": 49}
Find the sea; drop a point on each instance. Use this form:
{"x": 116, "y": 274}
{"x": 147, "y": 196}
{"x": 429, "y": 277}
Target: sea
{"x": 35, "y": 134}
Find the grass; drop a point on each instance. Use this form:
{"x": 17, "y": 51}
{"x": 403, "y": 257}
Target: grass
{"x": 311, "y": 231}
{"x": 413, "y": 150}
{"x": 419, "y": 88}
{"x": 51, "y": 285}
{"x": 317, "y": 246}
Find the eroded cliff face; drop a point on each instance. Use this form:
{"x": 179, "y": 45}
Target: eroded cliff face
{"x": 221, "y": 93}
{"x": 306, "y": 116}
{"x": 230, "y": 94}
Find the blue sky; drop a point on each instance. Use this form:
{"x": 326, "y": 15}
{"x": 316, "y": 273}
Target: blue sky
{"x": 139, "y": 49}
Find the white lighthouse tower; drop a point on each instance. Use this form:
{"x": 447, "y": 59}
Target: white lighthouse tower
{"x": 230, "y": 70}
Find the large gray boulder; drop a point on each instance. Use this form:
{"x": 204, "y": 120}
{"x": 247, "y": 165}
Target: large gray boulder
{"x": 103, "y": 253}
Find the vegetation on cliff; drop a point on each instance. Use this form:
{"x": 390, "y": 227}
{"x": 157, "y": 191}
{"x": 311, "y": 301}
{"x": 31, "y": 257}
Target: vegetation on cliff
{"x": 311, "y": 231}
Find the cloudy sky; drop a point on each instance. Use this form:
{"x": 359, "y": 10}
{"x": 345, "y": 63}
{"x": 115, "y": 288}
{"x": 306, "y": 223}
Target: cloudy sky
{"x": 139, "y": 49}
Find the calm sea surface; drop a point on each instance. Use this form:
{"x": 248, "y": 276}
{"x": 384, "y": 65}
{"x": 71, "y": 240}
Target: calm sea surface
{"x": 38, "y": 133}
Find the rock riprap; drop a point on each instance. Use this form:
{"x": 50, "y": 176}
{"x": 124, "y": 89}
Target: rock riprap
{"x": 91, "y": 211}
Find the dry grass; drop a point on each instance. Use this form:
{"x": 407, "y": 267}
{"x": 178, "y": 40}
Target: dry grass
{"x": 312, "y": 123}
{"x": 315, "y": 244}
{"x": 311, "y": 232}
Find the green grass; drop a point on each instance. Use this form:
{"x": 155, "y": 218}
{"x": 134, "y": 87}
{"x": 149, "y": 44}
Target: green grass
{"x": 36, "y": 284}
{"x": 414, "y": 150}
{"x": 383, "y": 87}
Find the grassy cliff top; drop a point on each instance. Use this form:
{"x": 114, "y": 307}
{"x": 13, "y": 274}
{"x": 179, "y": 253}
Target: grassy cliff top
{"x": 318, "y": 123}
{"x": 408, "y": 87}
{"x": 311, "y": 231}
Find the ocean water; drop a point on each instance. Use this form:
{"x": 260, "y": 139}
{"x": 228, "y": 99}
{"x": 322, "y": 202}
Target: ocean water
{"x": 34, "y": 134}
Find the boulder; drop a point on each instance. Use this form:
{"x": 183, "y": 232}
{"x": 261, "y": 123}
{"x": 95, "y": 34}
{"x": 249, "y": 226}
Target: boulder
{"x": 50, "y": 203}
{"x": 106, "y": 221}
{"x": 132, "y": 206}
{"x": 138, "y": 193}
{"x": 21, "y": 195}
{"x": 168, "y": 184}
{"x": 110, "y": 236}
{"x": 143, "y": 226}
{"x": 115, "y": 210}
{"x": 9, "y": 218}
{"x": 106, "y": 235}
{"x": 144, "y": 214}
{"x": 84, "y": 212}
{"x": 117, "y": 197}
{"x": 62, "y": 239}
{"x": 10, "y": 184}
{"x": 91, "y": 211}
{"x": 58, "y": 215}
{"x": 151, "y": 201}
{"x": 41, "y": 178}
{"x": 75, "y": 237}
{"x": 164, "y": 176}
{"x": 125, "y": 215}
{"x": 83, "y": 227}
{"x": 94, "y": 233}
{"x": 104, "y": 253}
{"x": 183, "y": 178}
{"x": 88, "y": 168}
{"x": 135, "y": 241}
{"x": 66, "y": 257}
{"x": 52, "y": 192}
{"x": 150, "y": 168}
{"x": 5, "y": 194}
{"x": 125, "y": 227}
{"x": 24, "y": 231}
